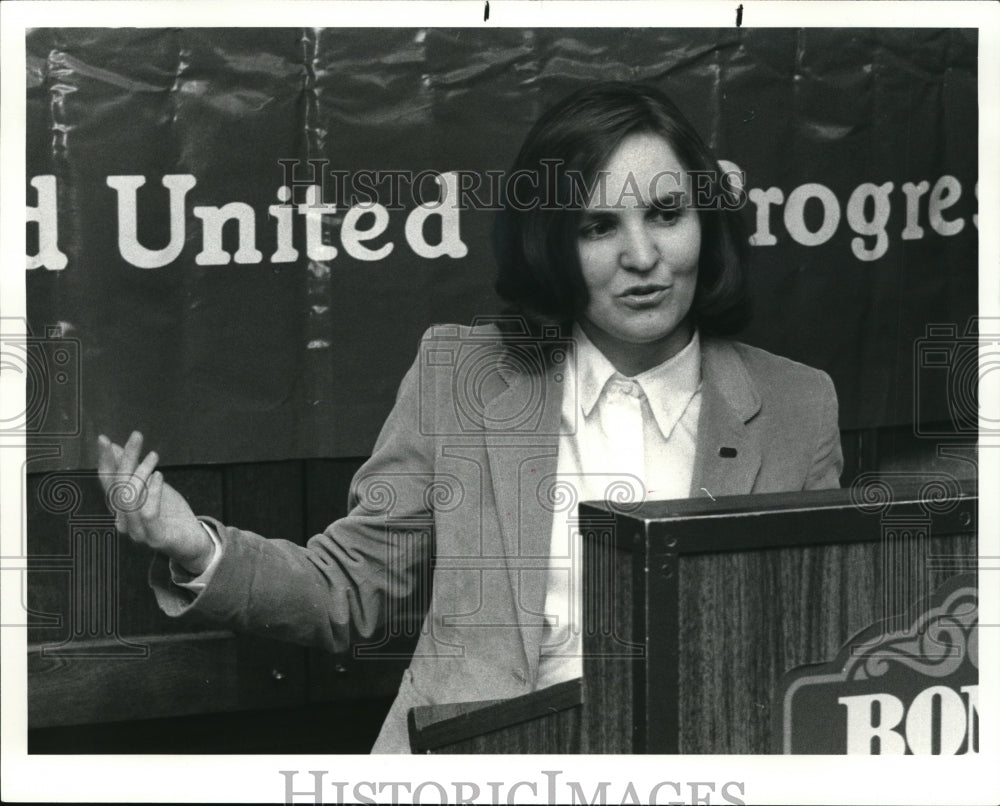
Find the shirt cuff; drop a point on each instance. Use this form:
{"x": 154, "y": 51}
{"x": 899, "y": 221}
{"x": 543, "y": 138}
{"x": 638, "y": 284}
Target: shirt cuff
{"x": 187, "y": 580}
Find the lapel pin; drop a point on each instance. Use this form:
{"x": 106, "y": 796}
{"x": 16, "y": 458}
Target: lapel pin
{"x": 727, "y": 453}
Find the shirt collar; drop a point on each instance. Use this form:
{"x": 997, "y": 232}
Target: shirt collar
{"x": 668, "y": 387}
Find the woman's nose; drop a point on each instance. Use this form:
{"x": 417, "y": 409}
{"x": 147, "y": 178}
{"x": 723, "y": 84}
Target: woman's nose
{"x": 639, "y": 251}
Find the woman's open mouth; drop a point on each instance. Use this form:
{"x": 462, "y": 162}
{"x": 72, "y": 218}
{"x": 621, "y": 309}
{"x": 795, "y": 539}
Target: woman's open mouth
{"x": 644, "y": 296}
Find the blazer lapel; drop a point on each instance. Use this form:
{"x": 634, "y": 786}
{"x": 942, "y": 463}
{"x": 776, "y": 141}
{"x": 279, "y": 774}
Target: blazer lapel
{"x": 727, "y": 458}
{"x": 523, "y": 454}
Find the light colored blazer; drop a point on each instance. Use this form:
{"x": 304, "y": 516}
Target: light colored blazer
{"x": 461, "y": 472}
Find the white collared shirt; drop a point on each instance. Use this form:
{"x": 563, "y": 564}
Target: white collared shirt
{"x": 634, "y": 440}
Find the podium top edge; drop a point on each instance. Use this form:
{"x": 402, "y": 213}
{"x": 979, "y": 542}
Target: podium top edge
{"x": 882, "y": 497}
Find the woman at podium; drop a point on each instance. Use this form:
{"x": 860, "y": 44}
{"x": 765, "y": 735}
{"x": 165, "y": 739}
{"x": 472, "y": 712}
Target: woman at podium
{"x": 612, "y": 376}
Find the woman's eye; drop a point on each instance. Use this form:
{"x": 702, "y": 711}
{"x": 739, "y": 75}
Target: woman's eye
{"x": 665, "y": 214}
{"x": 597, "y": 229}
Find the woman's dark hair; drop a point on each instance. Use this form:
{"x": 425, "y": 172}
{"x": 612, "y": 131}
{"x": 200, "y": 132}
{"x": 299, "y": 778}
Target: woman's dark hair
{"x": 535, "y": 232}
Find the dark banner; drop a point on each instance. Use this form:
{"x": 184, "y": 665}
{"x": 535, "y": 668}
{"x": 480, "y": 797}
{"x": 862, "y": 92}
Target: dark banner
{"x": 205, "y": 262}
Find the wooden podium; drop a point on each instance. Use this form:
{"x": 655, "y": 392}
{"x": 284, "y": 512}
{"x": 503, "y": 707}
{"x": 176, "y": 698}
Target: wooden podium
{"x": 694, "y": 609}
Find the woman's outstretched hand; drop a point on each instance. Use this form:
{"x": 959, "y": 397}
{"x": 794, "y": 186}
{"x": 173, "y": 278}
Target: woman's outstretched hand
{"x": 148, "y": 509}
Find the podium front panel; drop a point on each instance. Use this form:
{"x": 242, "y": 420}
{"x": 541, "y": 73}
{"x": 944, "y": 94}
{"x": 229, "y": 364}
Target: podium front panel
{"x": 694, "y": 610}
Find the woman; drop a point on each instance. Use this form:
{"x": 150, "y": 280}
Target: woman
{"x": 624, "y": 263}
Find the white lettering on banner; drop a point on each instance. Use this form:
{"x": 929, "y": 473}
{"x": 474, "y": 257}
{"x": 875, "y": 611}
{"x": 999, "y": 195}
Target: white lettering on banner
{"x": 128, "y": 219}
{"x": 763, "y": 199}
{"x": 867, "y": 213}
{"x": 730, "y": 170}
{"x": 352, "y": 237}
{"x": 945, "y": 193}
{"x": 936, "y": 713}
{"x": 45, "y": 214}
{"x": 795, "y": 209}
{"x": 285, "y": 253}
{"x": 879, "y": 194}
{"x": 213, "y": 219}
{"x": 913, "y": 231}
{"x": 447, "y": 208}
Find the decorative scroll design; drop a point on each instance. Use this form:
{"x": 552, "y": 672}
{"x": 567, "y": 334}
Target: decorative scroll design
{"x": 623, "y": 492}
{"x": 936, "y": 644}
{"x": 939, "y": 492}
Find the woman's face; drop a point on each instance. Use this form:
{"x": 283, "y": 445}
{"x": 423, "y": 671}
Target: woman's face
{"x": 638, "y": 244}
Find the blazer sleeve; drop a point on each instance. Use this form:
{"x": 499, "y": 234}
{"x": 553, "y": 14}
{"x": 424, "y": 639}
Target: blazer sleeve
{"x": 828, "y": 459}
{"x": 335, "y": 590}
